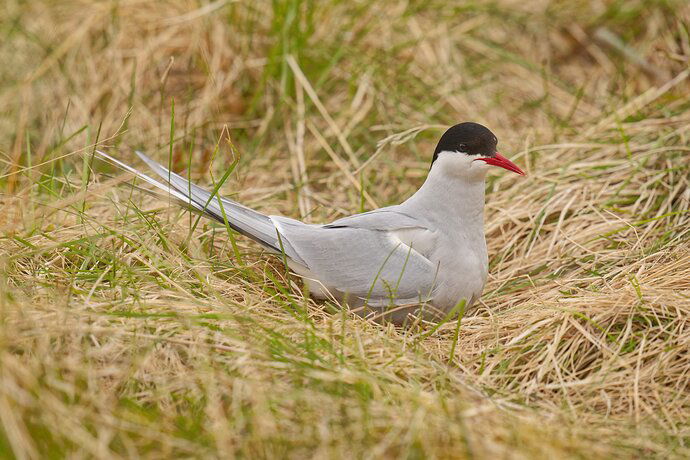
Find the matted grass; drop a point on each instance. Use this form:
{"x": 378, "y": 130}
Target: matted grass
{"x": 128, "y": 329}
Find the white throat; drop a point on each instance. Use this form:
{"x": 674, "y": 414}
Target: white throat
{"x": 453, "y": 191}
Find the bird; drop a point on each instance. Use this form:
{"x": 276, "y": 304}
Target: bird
{"x": 421, "y": 258}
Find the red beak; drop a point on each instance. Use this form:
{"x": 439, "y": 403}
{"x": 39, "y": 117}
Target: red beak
{"x": 503, "y": 162}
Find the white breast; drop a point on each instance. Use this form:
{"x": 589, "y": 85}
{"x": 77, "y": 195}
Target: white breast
{"x": 463, "y": 269}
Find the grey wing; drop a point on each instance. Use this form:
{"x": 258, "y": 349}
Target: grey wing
{"x": 241, "y": 218}
{"x": 389, "y": 218}
{"x": 412, "y": 231}
{"x": 249, "y": 222}
{"x": 369, "y": 263}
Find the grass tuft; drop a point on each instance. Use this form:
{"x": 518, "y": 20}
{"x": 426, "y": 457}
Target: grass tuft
{"x": 129, "y": 328}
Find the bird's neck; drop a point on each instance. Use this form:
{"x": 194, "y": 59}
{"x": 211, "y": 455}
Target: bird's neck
{"x": 448, "y": 195}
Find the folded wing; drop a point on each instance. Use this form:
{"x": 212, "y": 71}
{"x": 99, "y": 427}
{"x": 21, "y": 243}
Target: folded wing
{"x": 363, "y": 259}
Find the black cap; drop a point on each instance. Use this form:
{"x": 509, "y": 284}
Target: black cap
{"x": 469, "y": 138}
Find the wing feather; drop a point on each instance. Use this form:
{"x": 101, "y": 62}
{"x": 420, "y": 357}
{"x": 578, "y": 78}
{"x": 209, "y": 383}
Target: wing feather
{"x": 373, "y": 265}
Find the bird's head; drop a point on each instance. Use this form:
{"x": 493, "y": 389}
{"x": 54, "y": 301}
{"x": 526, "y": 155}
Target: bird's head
{"x": 468, "y": 149}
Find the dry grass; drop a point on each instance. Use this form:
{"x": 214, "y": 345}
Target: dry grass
{"x": 122, "y": 336}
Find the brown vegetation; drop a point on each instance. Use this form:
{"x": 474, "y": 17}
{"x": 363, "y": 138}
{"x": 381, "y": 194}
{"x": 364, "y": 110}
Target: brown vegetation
{"x": 127, "y": 330}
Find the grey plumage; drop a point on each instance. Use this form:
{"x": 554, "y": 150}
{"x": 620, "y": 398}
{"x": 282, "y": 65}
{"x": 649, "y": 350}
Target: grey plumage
{"x": 382, "y": 269}
{"x": 427, "y": 253}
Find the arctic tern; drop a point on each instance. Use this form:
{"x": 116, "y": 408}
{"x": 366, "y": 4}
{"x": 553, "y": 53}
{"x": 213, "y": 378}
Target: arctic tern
{"x": 425, "y": 256}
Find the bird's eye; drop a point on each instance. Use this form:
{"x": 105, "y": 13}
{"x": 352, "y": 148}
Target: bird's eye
{"x": 462, "y": 148}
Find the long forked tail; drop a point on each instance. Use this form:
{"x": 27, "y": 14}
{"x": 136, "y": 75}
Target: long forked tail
{"x": 240, "y": 218}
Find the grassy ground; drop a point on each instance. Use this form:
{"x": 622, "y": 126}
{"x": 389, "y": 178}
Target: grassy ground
{"x": 128, "y": 329}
